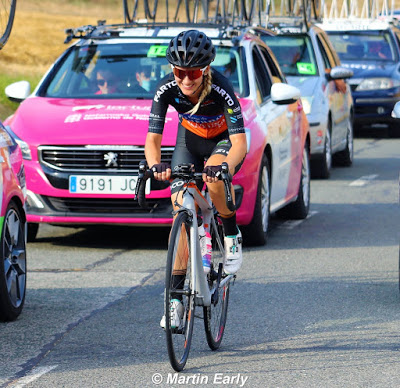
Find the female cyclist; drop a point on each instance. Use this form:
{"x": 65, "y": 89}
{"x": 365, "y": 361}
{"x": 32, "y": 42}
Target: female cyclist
{"x": 210, "y": 128}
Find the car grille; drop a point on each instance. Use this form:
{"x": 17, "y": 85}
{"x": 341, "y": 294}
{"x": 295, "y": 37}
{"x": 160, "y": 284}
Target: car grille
{"x": 106, "y": 205}
{"x": 97, "y": 158}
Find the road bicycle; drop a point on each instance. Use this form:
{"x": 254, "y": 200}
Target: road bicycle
{"x": 7, "y": 13}
{"x": 209, "y": 291}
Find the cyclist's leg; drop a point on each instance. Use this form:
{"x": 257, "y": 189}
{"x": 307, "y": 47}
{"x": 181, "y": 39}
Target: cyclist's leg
{"x": 233, "y": 237}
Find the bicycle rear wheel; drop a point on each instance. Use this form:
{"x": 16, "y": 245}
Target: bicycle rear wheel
{"x": 216, "y": 314}
{"x": 178, "y": 287}
{"x": 7, "y": 13}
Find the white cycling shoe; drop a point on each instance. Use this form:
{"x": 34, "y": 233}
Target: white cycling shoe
{"x": 233, "y": 253}
{"x": 176, "y": 315}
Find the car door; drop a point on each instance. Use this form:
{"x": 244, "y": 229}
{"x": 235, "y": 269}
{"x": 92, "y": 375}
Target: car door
{"x": 277, "y": 120}
{"x": 337, "y": 99}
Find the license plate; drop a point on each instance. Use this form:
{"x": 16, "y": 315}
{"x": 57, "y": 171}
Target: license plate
{"x": 104, "y": 184}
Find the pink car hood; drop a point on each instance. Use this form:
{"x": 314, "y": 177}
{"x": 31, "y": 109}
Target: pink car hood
{"x": 45, "y": 121}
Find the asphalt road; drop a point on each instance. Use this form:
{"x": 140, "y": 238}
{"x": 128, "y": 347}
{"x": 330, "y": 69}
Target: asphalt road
{"x": 318, "y": 306}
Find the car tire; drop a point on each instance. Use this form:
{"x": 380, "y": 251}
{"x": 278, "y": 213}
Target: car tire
{"x": 298, "y": 209}
{"x": 394, "y": 131}
{"x": 256, "y": 232}
{"x": 33, "y": 229}
{"x": 321, "y": 167}
{"x": 13, "y": 264}
{"x": 345, "y": 158}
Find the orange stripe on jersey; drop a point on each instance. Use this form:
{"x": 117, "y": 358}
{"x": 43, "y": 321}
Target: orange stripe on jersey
{"x": 206, "y": 130}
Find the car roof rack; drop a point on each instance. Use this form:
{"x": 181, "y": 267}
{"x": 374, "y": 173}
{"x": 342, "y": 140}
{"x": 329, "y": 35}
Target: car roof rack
{"x": 102, "y": 31}
{"x": 345, "y": 14}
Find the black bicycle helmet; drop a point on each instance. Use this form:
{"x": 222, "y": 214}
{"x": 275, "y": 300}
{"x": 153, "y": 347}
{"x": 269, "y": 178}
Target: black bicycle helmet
{"x": 191, "y": 48}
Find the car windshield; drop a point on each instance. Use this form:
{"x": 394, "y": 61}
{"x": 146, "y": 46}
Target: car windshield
{"x": 125, "y": 70}
{"x": 295, "y": 54}
{"x": 364, "y": 46}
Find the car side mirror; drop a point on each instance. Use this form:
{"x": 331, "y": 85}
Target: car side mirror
{"x": 284, "y": 94}
{"x": 18, "y": 91}
{"x": 396, "y": 111}
{"x": 340, "y": 72}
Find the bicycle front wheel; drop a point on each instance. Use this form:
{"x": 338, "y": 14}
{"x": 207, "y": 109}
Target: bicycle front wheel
{"x": 7, "y": 13}
{"x": 178, "y": 291}
{"x": 216, "y": 314}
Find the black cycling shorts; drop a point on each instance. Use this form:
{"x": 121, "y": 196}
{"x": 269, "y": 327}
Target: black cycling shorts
{"x": 194, "y": 149}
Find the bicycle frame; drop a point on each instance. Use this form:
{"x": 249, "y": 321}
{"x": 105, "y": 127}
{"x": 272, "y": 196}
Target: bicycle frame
{"x": 191, "y": 197}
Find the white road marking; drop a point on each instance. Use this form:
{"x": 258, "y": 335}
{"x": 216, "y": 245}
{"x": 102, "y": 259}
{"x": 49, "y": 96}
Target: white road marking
{"x": 363, "y": 180}
{"x": 32, "y": 376}
{"x": 293, "y": 223}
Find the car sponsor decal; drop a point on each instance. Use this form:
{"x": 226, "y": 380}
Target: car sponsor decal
{"x": 1, "y": 225}
{"x": 157, "y": 51}
{"x": 306, "y": 68}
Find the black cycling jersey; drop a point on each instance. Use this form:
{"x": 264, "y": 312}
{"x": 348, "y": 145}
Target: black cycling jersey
{"x": 219, "y": 111}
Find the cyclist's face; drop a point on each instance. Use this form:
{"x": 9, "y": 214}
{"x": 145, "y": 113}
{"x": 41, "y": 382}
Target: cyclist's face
{"x": 190, "y": 79}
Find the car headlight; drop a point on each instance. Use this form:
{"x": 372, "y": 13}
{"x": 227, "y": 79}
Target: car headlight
{"x": 307, "y": 103}
{"x": 26, "y": 152}
{"x": 377, "y": 84}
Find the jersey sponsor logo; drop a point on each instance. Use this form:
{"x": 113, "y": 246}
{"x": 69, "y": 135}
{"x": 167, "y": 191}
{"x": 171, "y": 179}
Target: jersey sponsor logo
{"x": 200, "y": 118}
{"x": 233, "y": 131}
{"x": 223, "y": 94}
{"x": 163, "y": 89}
{"x": 222, "y": 151}
{"x": 222, "y": 143}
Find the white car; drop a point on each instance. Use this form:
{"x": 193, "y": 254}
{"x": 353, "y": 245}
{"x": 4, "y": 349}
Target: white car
{"x": 311, "y": 64}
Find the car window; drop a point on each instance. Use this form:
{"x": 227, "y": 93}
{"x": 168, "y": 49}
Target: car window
{"x": 277, "y": 76}
{"x": 125, "y": 70}
{"x": 228, "y": 62}
{"x": 364, "y": 45}
{"x": 327, "y": 57}
{"x": 263, "y": 82}
{"x": 330, "y": 51}
{"x": 295, "y": 54}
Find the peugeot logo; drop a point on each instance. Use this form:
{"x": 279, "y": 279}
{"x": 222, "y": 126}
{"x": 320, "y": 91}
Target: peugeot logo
{"x": 111, "y": 159}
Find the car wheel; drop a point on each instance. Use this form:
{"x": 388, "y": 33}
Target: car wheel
{"x": 345, "y": 157}
{"x": 33, "y": 229}
{"x": 256, "y": 232}
{"x": 321, "y": 167}
{"x": 13, "y": 267}
{"x": 394, "y": 131}
{"x": 299, "y": 209}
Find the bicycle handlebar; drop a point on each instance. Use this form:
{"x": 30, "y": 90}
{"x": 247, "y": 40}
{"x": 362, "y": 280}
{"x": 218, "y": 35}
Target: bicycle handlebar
{"x": 185, "y": 172}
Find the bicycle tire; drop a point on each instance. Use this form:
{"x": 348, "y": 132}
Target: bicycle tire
{"x": 6, "y": 20}
{"x": 151, "y": 14}
{"x": 130, "y": 11}
{"x": 215, "y": 315}
{"x": 179, "y": 339}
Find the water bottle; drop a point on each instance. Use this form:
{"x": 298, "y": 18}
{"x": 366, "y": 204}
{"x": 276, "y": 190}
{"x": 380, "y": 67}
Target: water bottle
{"x": 205, "y": 247}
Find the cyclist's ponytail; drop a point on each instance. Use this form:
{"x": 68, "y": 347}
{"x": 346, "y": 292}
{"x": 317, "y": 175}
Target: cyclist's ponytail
{"x": 207, "y": 82}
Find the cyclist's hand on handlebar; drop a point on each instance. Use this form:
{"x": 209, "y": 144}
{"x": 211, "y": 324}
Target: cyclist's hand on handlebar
{"x": 212, "y": 173}
{"x": 161, "y": 171}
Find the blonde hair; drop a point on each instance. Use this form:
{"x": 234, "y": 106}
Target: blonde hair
{"x": 207, "y": 82}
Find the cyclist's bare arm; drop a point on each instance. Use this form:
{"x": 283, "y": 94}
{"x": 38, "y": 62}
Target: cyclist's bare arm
{"x": 237, "y": 152}
{"x": 152, "y": 152}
